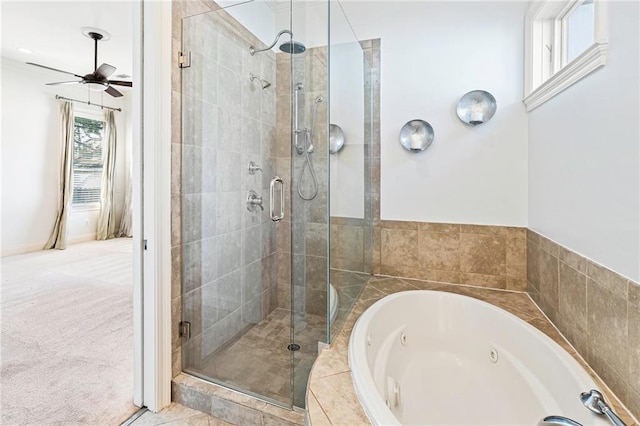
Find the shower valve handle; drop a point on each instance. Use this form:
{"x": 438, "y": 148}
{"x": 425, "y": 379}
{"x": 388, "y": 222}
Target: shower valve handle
{"x": 253, "y": 200}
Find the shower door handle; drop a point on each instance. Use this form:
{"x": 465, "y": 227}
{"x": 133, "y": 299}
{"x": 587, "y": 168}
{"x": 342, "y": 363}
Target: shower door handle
{"x": 272, "y": 190}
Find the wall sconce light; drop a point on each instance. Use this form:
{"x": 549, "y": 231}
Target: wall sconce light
{"x": 336, "y": 138}
{"x": 416, "y": 135}
{"x": 476, "y": 107}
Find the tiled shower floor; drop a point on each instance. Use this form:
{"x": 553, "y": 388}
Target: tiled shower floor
{"x": 259, "y": 360}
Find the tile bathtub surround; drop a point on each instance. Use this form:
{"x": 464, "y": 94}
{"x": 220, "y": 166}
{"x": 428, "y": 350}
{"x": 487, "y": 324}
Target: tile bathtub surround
{"x": 595, "y": 308}
{"x": 484, "y": 256}
{"x": 331, "y": 399}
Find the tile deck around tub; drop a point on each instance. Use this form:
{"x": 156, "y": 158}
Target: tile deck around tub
{"x": 331, "y": 398}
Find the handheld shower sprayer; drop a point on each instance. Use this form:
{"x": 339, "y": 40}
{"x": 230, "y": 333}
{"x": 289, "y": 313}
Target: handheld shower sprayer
{"x": 308, "y": 148}
{"x": 309, "y": 131}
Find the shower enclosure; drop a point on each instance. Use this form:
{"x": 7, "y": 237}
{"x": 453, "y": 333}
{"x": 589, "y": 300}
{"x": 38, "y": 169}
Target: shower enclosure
{"x": 257, "y": 227}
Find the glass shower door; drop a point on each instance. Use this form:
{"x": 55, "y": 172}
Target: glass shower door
{"x": 236, "y": 285}
{"x": 309, "y": 189}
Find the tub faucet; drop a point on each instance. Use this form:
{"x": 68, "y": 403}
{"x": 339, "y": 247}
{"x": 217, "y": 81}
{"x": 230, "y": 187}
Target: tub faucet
{"x": 595, "y": 402}
{"x": 558, "y": 421}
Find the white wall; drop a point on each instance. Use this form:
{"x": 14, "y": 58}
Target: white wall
{"x": 347, "y": 111}
{"x": 432, "y": 54}
{"x": 30, "y": 158}
{"x": 584, "y": 165}
{"x": 256, "y": 16}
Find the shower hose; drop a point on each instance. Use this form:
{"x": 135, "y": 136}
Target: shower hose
{"x": 307, "y": 150}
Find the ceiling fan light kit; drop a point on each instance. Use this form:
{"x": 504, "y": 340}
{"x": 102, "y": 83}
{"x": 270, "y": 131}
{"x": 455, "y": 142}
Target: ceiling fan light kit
{"x": 98, "y": 80}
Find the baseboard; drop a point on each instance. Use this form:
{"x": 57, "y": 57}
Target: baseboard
{"x": 12, "y": 251}
{"x": 82, "y": 238}
{"x": 30, "y": 248}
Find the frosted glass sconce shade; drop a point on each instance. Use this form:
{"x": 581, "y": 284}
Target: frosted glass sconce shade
{"x": 476, "y": 107}
{"x": 336, "y": 138}
{"x": 416, "y": 135}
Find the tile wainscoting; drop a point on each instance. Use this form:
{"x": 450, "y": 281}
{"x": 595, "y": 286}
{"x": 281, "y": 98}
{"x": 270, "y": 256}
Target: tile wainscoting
{"x": 597, "y": 310}
{"x": 484, "y": 256}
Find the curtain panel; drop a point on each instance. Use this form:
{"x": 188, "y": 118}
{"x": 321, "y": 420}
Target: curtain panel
{"x": 58, "y": 238}
{"x": 107, "y": 218}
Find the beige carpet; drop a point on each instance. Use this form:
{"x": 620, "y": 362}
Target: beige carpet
{"x": 67, "y": 336}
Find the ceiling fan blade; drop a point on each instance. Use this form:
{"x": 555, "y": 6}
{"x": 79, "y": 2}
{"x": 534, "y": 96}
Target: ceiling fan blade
{"x": 62, "y": 82}
{"x": 105, "y": 70}
{"x": 113, "y": 92}
{"x": 121, "y": 83}
{"x": 53, "y": 69}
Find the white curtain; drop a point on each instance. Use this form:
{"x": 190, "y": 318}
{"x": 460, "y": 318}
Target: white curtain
{"x": 107, "y": 217}
{"x": 58, "y": 238}
{"x": 125, "y": 220}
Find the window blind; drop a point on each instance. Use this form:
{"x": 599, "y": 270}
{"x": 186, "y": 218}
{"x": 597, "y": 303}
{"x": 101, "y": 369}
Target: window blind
{"x": 87, "y": 160}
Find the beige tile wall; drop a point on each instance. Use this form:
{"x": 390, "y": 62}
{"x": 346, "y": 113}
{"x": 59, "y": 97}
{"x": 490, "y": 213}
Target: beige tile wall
{"x": 179, "y": 10}
{"x": 595, "y": 308}
{"x": 302, "y": 254}
{"x": 485, "y": 256}
{"x": 348, "y": 237}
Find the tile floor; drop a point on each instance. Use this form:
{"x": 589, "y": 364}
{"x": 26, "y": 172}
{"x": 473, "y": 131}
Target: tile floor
{"x": 177, "y": 415}
{"x": 259, "y": 361}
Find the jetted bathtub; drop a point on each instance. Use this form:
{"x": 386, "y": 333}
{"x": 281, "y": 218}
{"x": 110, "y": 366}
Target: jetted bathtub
{"x": 435, "y": 358}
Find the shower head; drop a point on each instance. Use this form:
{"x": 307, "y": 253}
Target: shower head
{"x": 263, "y": 83}
{"x": 293, "y": 47}
{"x": 253, "y": 50}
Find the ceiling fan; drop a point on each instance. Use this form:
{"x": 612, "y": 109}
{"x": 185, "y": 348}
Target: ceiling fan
{"x": 99, "y": 78}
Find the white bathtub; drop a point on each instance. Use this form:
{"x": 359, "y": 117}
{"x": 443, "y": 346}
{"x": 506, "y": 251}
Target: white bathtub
{"x": 435, "y": 358}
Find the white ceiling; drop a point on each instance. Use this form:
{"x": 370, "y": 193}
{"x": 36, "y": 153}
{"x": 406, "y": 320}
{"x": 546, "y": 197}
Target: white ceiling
{"x": 51, "y": 30}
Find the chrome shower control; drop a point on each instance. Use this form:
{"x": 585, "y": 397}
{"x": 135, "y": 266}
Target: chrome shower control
{"x": 253, "y": 168}
{"x": 254, "y": 201}
{"x": 595, "y": 402}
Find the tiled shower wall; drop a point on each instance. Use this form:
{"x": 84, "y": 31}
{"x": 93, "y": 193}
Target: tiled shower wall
{"x": 351, "y": 238}
{"x": 179, "y": 9}
{"x": 350, "y": 244}
{"x": 303, "y": 234}
{"x": 596, "y": 309}
{"x": 228, "y": 254}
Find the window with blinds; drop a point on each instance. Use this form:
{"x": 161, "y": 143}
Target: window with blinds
{"x": 87, "y": 160}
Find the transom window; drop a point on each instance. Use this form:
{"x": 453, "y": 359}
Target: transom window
{"x": 87, "y": 160}
{"x": 565, "y": 40}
